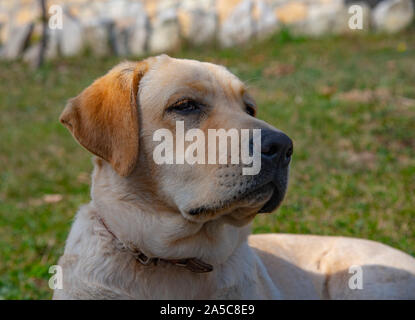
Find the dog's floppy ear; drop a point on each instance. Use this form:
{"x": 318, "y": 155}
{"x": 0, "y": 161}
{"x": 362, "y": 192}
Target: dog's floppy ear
{"x": 104, "y": 117}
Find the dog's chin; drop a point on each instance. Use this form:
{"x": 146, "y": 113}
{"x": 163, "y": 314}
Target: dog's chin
{"x": 243, "y": 209}
{"x": 270, "y": 201}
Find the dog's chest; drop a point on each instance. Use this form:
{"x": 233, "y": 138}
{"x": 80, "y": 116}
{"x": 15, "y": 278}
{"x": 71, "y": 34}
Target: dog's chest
{"x": 171, "y": 282}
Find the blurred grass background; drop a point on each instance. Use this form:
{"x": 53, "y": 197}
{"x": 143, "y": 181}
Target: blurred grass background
{"x": 348, "y": 103}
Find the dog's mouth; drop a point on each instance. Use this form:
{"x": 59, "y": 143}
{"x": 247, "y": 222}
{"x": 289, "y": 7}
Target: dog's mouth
{"x": 276, "y": 197}
{"x": 263, "y": 199}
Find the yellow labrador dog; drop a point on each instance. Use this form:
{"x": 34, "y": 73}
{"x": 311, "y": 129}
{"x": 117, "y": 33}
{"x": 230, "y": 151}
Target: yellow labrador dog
{"x": 181, "y": 231}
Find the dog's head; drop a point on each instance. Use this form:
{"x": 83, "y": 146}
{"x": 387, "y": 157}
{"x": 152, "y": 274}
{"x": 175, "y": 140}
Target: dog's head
{"x": 153, "y": 121}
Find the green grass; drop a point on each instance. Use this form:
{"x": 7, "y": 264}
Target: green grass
{"x": 353, "y": 171}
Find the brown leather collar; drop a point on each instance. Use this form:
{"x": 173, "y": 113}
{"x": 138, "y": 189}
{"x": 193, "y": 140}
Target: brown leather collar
{"x": 192, "y": 264}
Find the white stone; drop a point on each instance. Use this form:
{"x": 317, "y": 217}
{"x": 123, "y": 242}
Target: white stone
{"x": 165, "y": 32}
{"x": 202, "y": 26}
{"x": 2, "y": 27}
{"x": 16, "y": 44}
{"x": 393, "y": 15}
{"x": 167, "y": 5}
{"x": 52, "y": 46}
{"x": 116, "y": 9}
{"x": 71, "y": 37}
{"x": 238, "y": 28}
{"x": 138, "y": 35}
{"x": 129, "y": 31}
{"x": 119, "y": 37}
{"x": 205, "y": 5}
{"x": 31, "y": 55}
{"x": 266, "y": 22}
{"x": 321, "y": 18}
{"x": 97, "y": 36}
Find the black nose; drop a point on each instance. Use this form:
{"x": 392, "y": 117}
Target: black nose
{"x": 276, "y": 146}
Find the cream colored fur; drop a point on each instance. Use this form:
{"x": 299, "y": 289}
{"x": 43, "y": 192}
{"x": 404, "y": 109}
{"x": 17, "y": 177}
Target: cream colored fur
{"x": 146, "y": 206}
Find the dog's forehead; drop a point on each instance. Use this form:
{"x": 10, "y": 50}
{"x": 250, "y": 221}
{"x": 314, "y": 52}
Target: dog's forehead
{"x": 167, "y": 76}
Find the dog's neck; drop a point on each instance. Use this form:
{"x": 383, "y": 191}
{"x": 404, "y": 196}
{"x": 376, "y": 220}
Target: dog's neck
{"x": 192, "y": 264}
{"x": 133, "y": 217}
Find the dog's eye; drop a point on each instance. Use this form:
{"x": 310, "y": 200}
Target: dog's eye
{"x": 250, "y": 110}
{"x": 186, "y": 106}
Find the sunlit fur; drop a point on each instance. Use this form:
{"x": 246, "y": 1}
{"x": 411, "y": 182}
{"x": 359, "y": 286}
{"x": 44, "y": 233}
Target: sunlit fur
{"x": 147, "y": 205}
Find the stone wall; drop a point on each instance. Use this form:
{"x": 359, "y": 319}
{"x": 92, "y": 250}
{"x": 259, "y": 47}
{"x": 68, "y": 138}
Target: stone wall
{"x": 138, "y": 27}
